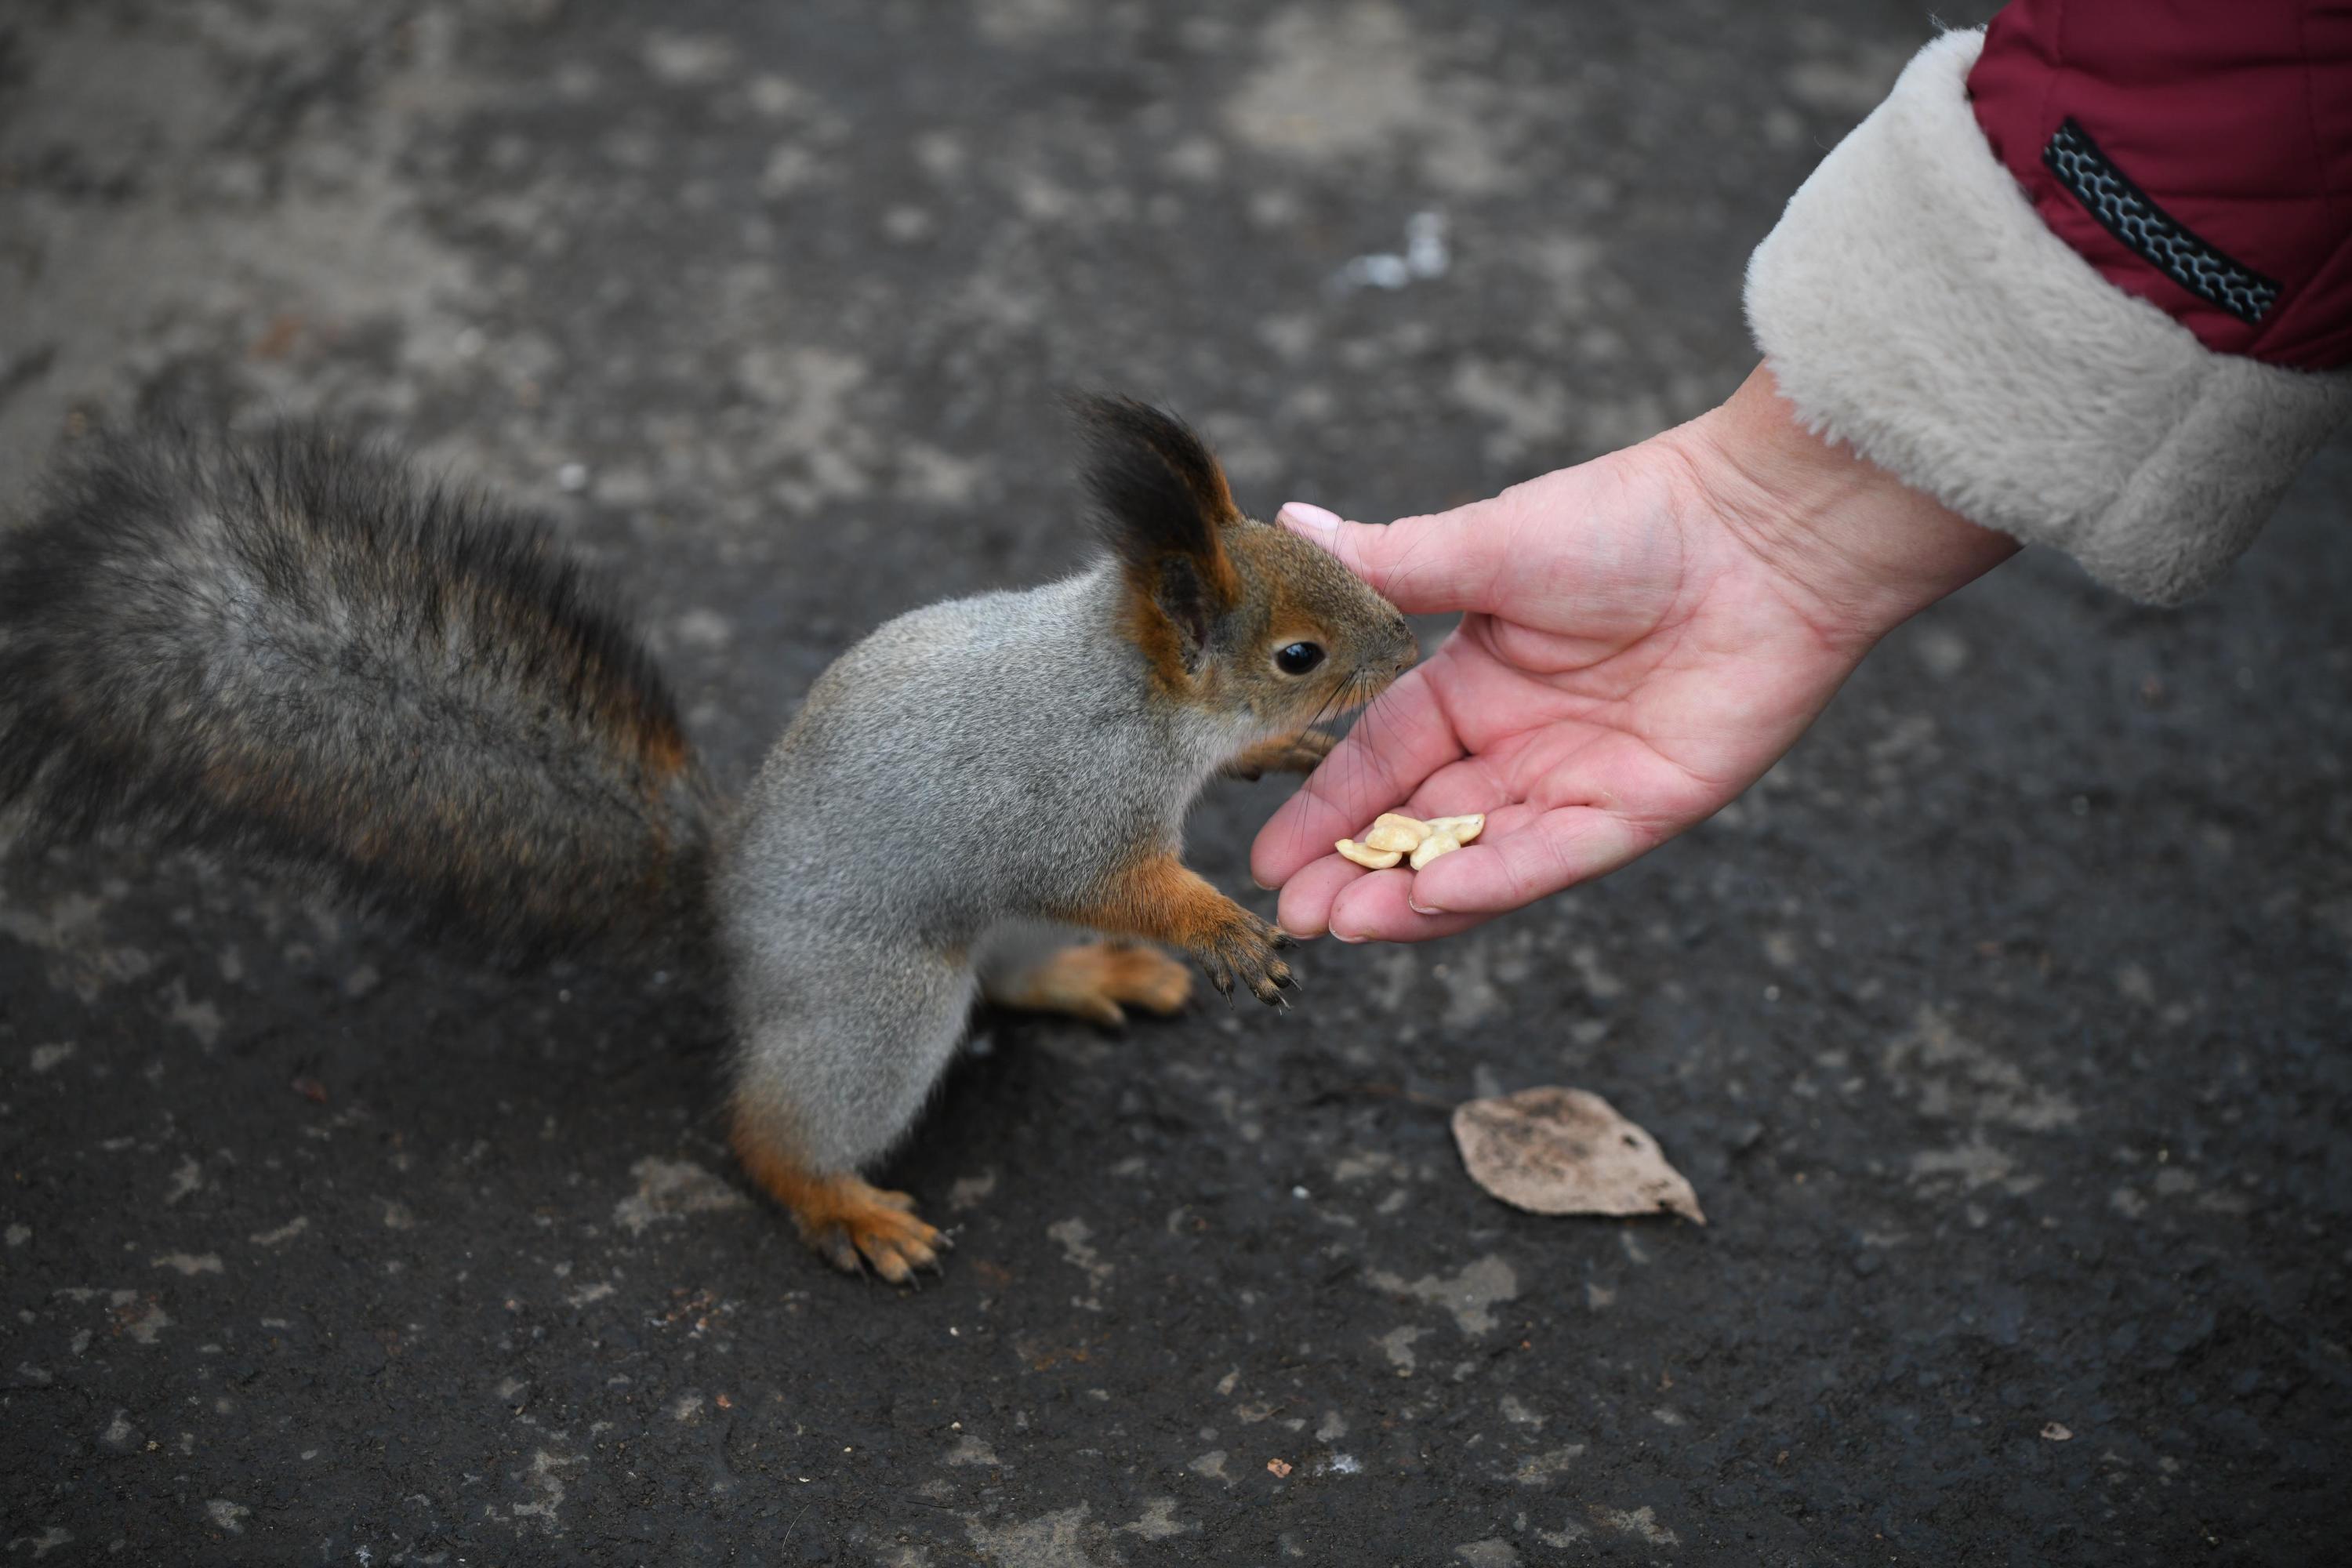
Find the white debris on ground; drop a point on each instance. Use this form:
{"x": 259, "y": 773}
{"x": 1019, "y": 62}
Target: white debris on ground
{"x": 1425, "y": 254}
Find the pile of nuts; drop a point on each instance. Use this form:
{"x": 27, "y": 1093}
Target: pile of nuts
{"x": 1393, "y": 838}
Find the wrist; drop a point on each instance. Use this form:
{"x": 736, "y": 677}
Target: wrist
{"x": 1858, "y": 550}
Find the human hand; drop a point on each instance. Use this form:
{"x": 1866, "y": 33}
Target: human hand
{"x": 1645, "y": 634}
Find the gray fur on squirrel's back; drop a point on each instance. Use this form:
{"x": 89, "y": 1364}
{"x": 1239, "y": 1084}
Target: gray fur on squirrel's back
{"x": 969, "y": 763}
{"x": 963, "y": 759}
{"x": 288, "y": 648}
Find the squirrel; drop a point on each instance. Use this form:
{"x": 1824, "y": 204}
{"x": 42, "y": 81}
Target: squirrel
{"x": 291, "y": 648}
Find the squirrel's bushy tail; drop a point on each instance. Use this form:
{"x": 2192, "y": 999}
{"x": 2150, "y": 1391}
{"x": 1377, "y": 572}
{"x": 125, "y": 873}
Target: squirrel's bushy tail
{"x": 289, "y": 648}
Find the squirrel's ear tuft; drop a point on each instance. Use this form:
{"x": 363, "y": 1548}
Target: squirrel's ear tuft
{"x": 1160, "y": 502}
{"x": 1157, "y": 490}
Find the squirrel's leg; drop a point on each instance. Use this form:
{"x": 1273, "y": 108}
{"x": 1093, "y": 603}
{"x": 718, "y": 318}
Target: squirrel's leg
{"x": 835, "y": 1062}
{"x": 1287, "y": 754}
{"x": 853, "y": 1225}
{"x": 1159, "y": 898}
{"x": 1039, "y": 970}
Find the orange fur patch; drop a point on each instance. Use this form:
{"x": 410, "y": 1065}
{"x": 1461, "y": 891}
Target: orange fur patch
{"x": 1160, "y": 643}
{"x": 1091, "y": 980}
{"x": 852, "y": 1224}
{"x": 661, "y": 746}
{"x": 1284, "y": 608}
{"x": 1148, "y": 626}
{"x": 1158, "y": 897}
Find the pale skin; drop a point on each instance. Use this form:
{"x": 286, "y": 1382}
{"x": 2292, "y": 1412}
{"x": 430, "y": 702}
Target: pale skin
{"x": 1643, "y": 636}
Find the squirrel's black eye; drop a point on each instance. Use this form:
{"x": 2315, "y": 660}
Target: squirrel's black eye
{"x": 1298, "y": 657}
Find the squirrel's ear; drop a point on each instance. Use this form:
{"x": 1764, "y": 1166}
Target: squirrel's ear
{"x": 1161, "y": 503}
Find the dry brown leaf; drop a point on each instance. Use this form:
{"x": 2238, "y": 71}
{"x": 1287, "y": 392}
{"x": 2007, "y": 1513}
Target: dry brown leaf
{"x": 1564, "y": 1151}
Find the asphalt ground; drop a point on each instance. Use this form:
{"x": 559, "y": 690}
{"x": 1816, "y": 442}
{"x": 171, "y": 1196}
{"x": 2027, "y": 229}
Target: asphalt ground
{"x": 2002, "y": 1030}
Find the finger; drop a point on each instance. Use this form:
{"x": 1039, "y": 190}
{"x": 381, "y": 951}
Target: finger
{"x": 1513, "y": 869}
{"x": 1376, "y": 907}
{"x": 1305, "y": 908}
{"x": 1458, "y": 560}
{"x": 1399, "y": 740}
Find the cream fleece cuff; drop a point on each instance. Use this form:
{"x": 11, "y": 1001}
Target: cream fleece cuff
{"x": 1913, "y": 304}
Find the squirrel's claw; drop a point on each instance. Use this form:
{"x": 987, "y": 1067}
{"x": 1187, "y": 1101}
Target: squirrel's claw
{"x": 1243, "y": 950}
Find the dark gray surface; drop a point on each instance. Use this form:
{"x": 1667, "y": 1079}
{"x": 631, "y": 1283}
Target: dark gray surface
{"x": 2002, "y": 1030}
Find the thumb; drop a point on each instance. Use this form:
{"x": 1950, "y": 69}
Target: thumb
{"x": 1456, "y": 559}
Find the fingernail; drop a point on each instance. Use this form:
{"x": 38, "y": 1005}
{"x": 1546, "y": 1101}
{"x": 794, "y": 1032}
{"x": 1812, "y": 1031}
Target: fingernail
{"x": 1298, "y": 514}
{"x": 1343, "y": 936}
{"x": 1261, "y": 886}
{"x": 1421, "y": 909}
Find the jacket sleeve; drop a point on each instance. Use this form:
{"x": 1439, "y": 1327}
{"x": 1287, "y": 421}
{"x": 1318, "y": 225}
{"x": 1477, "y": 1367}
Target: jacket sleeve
{"x": 2086, "y": 276}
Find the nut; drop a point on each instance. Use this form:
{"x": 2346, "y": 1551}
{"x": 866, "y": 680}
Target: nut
{"x": 1390, "y": 838}
{"x": 1395, "y": 832}
{"x": 1434, "y": 845}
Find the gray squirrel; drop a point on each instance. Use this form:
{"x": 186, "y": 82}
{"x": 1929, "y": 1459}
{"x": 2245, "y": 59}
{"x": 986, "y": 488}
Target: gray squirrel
{"x": 289, "y": 648}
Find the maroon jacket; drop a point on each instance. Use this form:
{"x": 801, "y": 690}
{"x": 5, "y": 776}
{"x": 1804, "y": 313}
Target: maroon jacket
{"x": 2197, "y": 152}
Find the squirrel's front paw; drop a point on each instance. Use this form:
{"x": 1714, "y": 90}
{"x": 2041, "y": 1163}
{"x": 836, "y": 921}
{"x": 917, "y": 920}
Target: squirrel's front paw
{"x": 1298, "y": 754}
{"x": 1242, "y": 949}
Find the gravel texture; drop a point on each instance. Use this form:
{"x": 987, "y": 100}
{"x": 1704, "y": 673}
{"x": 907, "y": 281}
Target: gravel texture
{"x": 2002, "y": 1028}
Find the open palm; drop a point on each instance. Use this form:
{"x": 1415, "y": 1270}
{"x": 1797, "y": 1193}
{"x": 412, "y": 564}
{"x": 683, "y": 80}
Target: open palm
{"x": 1639, "y": 644}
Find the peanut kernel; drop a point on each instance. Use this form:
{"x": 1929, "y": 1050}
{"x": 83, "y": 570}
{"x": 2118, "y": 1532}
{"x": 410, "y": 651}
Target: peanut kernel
{"x": 1434, "y": 845}
{"x": 1395, "y": 832}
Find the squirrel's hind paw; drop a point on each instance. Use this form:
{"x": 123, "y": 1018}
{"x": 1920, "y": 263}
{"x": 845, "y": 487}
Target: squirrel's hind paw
{"x": 849, "y": 1222}
{"x": 860, "y": 1227}
{"x": 1092, "y": 979}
